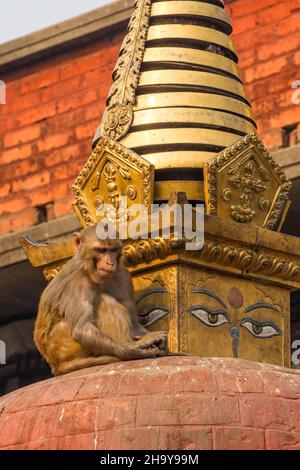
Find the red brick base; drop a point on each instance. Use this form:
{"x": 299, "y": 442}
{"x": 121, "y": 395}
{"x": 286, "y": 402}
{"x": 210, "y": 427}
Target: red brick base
{"x": 169, "y": 403}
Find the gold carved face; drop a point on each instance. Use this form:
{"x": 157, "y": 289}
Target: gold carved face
{"x": 212, "y": 314}
{"x": 235, "y": 318}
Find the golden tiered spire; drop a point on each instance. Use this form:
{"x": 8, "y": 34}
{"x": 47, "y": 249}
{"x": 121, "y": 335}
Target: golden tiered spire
{"x": 177, "y": 97}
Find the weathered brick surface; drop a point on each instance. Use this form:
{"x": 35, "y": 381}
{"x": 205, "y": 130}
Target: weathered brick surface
{"x": 54, "y": 106}
{"x": 132, "y": 406}
{"x": 53, "y": 109}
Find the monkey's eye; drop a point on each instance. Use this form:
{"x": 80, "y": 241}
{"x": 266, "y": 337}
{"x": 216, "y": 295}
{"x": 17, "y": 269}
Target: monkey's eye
{"x": 261, "y": 329}
{"x": 100, "y": 250}
{"x": 149, "y": 317}
{"x": 209, "y": 317}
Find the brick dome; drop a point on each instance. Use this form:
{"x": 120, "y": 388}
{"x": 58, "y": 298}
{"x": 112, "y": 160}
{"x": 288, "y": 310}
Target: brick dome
{"x": 169, "y": 403}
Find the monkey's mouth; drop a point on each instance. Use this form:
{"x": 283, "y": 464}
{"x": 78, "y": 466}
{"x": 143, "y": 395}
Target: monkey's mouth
{"x": 106, "y": 273}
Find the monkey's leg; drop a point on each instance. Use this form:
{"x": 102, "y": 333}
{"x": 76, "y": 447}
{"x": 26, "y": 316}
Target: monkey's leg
{"x": 83, "y": 363}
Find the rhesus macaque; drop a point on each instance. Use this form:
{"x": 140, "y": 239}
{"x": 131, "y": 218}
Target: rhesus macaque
{"x": 87, "y": 315}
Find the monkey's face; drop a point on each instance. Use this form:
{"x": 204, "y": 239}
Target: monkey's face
{"x": 106, "y": 259}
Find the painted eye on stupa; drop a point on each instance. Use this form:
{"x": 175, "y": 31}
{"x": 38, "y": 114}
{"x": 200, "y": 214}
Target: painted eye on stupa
{"x": 261, "y": 329}
{"x": 150, "y": 317}
{"x": 209, "y": 317}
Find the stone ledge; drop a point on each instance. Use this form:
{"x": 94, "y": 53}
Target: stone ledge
{"x": 289, "y": 160}
{"x": 79, "y": 29}
{"x": 54, "y": 231}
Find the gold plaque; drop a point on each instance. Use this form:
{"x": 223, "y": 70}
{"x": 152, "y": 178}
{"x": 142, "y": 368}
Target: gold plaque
{"x": 112, "y": 171}
{"x": 244, "y": 184}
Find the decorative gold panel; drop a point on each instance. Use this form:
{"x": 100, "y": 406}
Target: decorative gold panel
{"x": 212, "y": 314}
{"x": 245, "y": 184}
{"x": 111, "y": 171}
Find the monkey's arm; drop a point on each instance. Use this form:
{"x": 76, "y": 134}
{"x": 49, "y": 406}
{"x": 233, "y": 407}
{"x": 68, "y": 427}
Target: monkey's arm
{"x": 85, "y": 332}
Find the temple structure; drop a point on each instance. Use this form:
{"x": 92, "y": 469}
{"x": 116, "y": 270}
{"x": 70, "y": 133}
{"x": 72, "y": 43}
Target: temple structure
{"x": 178, "y": 120}
{"x": 178, "y": 127}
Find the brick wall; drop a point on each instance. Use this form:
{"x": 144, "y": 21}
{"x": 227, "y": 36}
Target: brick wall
{"x": 54, "y": 106}
{"x": 267, "y": 37}
{"x": 46, "y": 128}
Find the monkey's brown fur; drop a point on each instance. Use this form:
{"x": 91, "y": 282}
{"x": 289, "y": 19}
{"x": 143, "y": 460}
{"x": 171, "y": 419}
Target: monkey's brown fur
{"x": 87, "y": 314}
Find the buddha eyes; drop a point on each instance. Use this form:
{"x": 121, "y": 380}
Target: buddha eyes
{"x": 147, "y": 318}
{"x": 261, "y": 329}
{"x": 220, "y": 317}
{"x": 209, "y": 317}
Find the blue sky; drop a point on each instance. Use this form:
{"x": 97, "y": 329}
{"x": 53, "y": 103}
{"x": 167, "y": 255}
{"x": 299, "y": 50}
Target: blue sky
{"x": 20, "y": 17}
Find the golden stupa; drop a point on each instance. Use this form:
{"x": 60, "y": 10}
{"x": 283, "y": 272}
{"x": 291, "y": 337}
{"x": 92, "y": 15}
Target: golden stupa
{"x": 177, "y": 98}
{"x": 178, "y": 121}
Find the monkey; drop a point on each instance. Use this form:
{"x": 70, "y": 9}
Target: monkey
{"x": 87, "y": 314}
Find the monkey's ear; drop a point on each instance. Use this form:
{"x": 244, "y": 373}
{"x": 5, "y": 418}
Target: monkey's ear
{"x": 77, "y": 240}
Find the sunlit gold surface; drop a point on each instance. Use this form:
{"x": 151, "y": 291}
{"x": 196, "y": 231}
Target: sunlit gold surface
{"x": 176, "y": 31}
{"x": 172, "y": 100}
{"x": 156, "y": 291}
{"x": 188, "y": 77}
{"x": 192, "y": 159}
{"x": 192, "y": 115}
{"x": 112, "y": 171}
{"x": 179, "y": 136}
{"x": 184, "y": 55}
{"x": 246, "y": 185}
{"x": 189, "y": 8}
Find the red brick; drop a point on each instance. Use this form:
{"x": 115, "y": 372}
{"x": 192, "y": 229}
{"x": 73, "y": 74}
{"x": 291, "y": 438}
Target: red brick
{"x": 88, "y": 130}
{"x": 5, "y": 189}
{"x": 241, "y": 382}
{"x": 18, "y": 137}
{"x": 152, "y": 381}
{"x": 54, "y": 141}
{"x": 33, "y": 181}
{"x": 124, "y": 439}
{"x": 187, "y": 381}
{"x": 185, "y": 438}
{"x": 41, "y": 79}
{"x": 115, "y": 413}
{"x": 282, "y": 384}
{"x": 184, "y": 409}
{"x": 18, "y": 221}
{"x": 78, "y": 442}
{"x": 227, "y": 438}
{"x": 282, "y": 440}
{"x": 272, "y": 413}
{"x": 14, "y": 154}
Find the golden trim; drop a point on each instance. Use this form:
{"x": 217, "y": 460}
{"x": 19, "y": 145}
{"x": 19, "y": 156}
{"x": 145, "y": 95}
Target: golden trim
{"x": 118, "y": 116}
{"x": 195, "y": 78}
{"x": 179, "y": 135}
{"x": 187, "y": 98}
{"x": 192, "y": 115}
{"x": 180, "y": 159}
{"x": 182, "y": 31}
{"x": 189, "y": 8}
{"x": 191, "y": 56}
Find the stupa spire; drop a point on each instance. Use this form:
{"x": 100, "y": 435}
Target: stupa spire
{"x": 177, "y": 97}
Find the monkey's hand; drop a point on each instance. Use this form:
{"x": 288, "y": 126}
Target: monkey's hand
{"x": 141, "y": 351}
{"x": 154, "y": 338}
